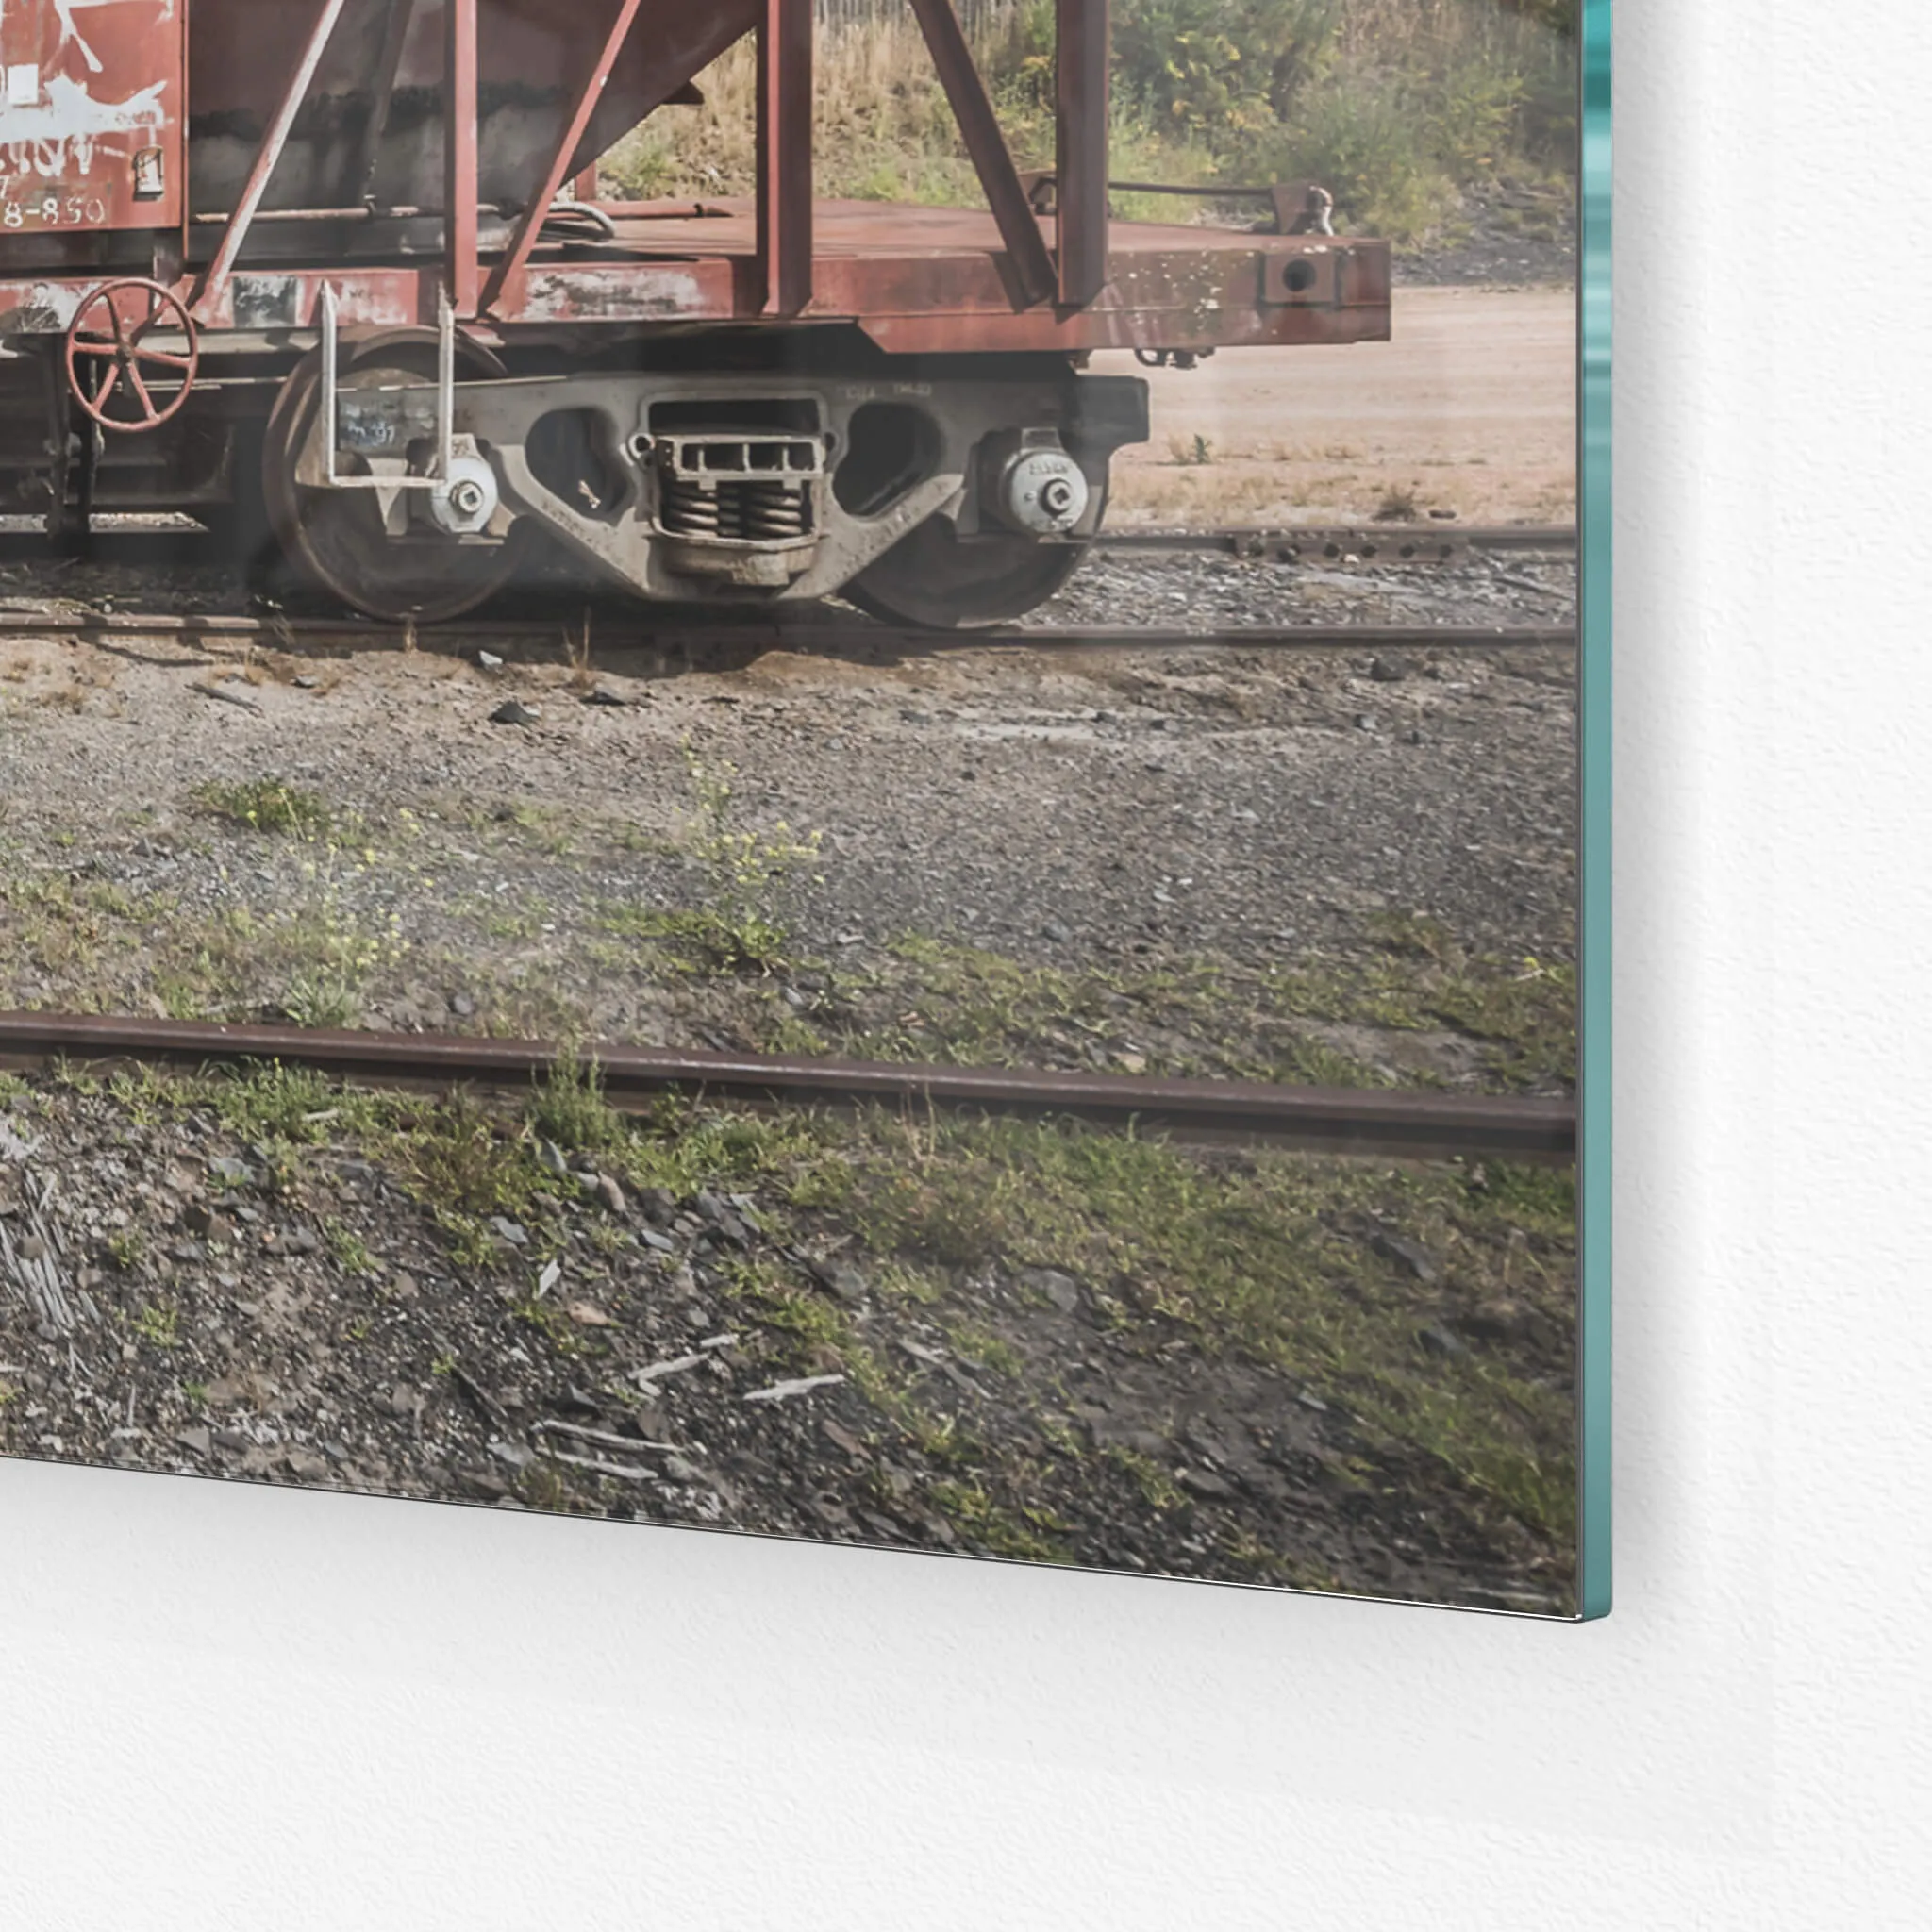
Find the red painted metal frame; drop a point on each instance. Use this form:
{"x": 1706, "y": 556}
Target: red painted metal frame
{"x": 1082, "y": 87}
{"x": 461, "y": 263}
{"x": 785, "y": 245}
{"x": 273, "y": 144}
{"x": 922, "y": 281}
{"x": 1033, "y": 271}
{"x": 531, "y": 226}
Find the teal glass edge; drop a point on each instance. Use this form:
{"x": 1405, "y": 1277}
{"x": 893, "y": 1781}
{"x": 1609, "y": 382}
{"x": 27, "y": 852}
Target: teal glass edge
{"x": 1594, "y": 932}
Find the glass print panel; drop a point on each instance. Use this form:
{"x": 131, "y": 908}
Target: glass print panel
{"x": 866, "y": 720}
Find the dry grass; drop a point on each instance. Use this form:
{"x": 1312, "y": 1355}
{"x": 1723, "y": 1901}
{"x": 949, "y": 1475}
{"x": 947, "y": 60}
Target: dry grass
{"x": 1270, "y": 485}
{"x": 884, "y": 129}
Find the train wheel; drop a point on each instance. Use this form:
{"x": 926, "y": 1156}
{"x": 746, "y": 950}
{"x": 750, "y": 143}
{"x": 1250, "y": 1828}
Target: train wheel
{"x": 337, "y": 537}
{"x": 934, "y": 580}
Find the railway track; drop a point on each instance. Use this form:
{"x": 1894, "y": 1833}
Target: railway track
{"x": 538, "y": 618}
{"x": 175, "y": 539}
{"x": 1402, "y": 1124}
{"x": 1384, "y": 544}
{"x": 859, "y": 637}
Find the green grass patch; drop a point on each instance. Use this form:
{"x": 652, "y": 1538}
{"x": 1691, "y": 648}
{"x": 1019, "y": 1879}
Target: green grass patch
{"x": 269, "y": 805}
{"x": 1268, "y": 1257}
{"x": 930, "y": 1000}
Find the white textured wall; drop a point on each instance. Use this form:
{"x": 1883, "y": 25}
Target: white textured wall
{"x": 232, "y": 1708}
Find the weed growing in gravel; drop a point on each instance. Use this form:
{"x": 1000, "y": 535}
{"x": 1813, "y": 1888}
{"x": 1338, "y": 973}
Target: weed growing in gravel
{"x": 1413, "y": 936}
{"x": 1155, "y": 1486}
{"x": 322, "y": 941}
{"x": 569, "y": 1108}
{"x": 978, "y": 1343}
{"x": 738, "y": 927}
{"x": 141, "y": 1092}
{"x": 265, "y": 805}
{"x": 350, "y": 1251}
{"x": 338, "y": 946}
{"x": 819, "y": 1327}
{"x": 291, "y": 1104}
{"x": 552, "y": 1324}
{"x": 683, "y": 1148}
{"x": 159, "y": 1323}
{"x": 68, "y": 932}
{"x": 126, "y": 1250}
{"x": 1003, "y": 1531}
{"x": 461, "y": 1160}
{"x": 470, "y": 1245}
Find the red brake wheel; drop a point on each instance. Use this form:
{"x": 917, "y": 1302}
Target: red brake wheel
{"x": 117, "y": 376}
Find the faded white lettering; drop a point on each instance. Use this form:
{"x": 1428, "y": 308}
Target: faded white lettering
{"x": 57, "y": 136}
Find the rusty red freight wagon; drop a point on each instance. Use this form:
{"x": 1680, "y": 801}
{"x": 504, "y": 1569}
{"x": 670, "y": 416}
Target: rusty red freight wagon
{"x": 341, "y": 260}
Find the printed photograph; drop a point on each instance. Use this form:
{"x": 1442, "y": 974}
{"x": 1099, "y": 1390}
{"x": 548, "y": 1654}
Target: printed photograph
{"x": 805, "y": 767}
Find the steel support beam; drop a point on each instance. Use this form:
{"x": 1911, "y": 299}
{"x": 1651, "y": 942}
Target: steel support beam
{"x": 531, "y": 226}
{"x": 1006, "y": 194}
{"x": 1085, "y": 36}
{"x": 462, "y": 269}
{"x": 389, "y": 63}
{"x": 785, "y": 157}
{"x": 272, "y": 144}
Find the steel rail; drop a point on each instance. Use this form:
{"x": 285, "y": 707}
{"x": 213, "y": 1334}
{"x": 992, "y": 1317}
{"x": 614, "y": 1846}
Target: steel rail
{"x": 1383, "y": 543}
{"x": 627, "y": 632}
{"x": 1401, "y": 1123}
{"x": 1388, "y": 544}
{"x": 1286, "y": 636}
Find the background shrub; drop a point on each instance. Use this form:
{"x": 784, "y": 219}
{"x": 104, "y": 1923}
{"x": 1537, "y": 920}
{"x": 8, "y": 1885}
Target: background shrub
{"x": 1400, "y": 107}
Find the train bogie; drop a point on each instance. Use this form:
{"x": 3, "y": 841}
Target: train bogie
{"x": 787, "y": 483}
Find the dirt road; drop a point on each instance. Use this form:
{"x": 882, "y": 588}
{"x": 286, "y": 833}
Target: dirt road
{"x": 1470, "y": 407}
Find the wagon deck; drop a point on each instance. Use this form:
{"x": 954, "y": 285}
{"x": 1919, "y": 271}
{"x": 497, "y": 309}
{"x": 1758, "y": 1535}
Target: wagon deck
{"x": 936, "y": 280}
{"x": 916, "y": 281}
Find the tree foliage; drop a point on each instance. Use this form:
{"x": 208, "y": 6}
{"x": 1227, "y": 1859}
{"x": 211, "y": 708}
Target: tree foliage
{"x": 1201, "y": 66}
{"x": 1564, "y": 15}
